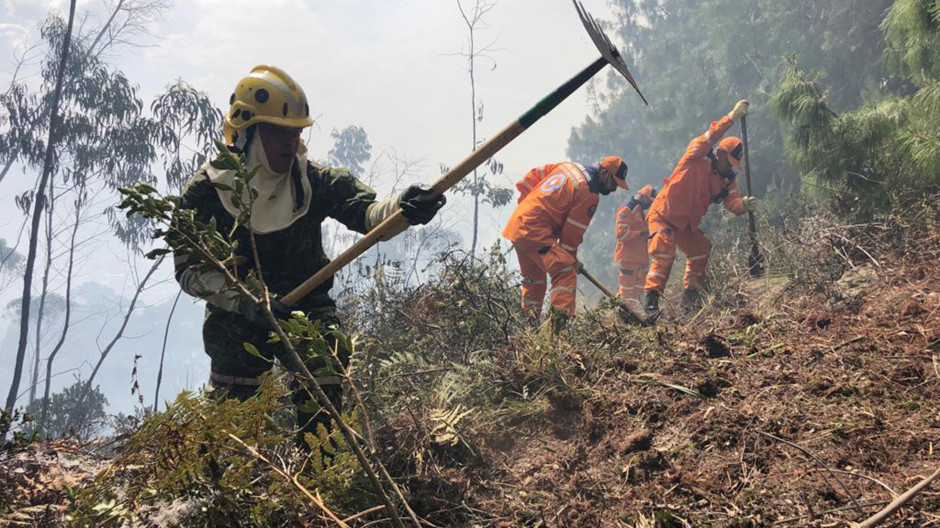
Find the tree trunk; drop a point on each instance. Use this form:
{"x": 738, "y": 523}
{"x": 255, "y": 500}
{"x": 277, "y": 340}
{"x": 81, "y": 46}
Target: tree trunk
{"x": 34, "y": 381}
{"x": 37, "y": 215}
{"x": 68, "y": 312}
{"x": 166, "y": 334}
{"x": 476, "y": 178}
{"x": 107, "y": 25}
{"x": 6, "y": 168}
{"x": 79, "y": 416}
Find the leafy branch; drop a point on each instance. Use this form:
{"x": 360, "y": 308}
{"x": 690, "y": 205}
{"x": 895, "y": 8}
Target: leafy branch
{"x": 208, "y": 249}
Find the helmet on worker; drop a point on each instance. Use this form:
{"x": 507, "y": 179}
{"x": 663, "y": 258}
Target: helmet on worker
{"x": 645, "y": 195}
{"x": 617, "y": 169}
{"x": 266, "y": 95}
{"x": 734, "y": 149}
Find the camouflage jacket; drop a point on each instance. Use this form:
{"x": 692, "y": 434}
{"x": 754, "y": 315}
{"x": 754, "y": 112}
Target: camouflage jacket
{"x": 288, "y": 257}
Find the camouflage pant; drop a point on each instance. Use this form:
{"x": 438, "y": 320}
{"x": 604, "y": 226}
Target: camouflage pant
{"x": 236, "y": 372}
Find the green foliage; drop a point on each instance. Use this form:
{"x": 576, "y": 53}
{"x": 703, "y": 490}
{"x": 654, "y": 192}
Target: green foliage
{"x": 22, "y": 425}
{"x": 846, "y": 158}
{"x": 183, "y": 468}
{"x": 888, "y": 147}
{"x": 912, "y": 33}
{"x": 201, "y": 242}
{"x": 65, "y": 411}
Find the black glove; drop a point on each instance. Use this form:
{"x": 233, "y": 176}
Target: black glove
{"x": 416, "y": 208}
{"x": 254, "y": 312}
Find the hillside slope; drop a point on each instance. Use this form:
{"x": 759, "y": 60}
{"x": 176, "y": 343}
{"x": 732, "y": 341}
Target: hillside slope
{"x": 778, "y": 405}
{"x": 816, "y": 408}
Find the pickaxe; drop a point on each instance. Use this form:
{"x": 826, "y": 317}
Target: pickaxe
{"x": 394, "y": 223}
{"x": 626, "y": 314}
{"x": 755, "y": 260}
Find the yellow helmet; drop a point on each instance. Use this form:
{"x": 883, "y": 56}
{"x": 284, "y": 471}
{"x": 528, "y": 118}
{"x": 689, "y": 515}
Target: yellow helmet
{"x": 267, "y": 95}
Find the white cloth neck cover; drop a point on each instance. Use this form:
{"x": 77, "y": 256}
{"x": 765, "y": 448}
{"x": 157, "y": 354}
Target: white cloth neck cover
{"x": 275, "y": 208}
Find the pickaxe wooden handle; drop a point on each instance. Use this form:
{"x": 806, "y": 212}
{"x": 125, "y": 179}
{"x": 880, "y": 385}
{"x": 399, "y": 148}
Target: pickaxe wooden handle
{"x": 598, "y": 284}
{"x": 628, "y": 315}
{"x": 609, "y": 55}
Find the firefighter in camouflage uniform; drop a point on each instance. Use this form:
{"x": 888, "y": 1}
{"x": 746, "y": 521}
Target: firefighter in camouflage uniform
{"x": 295, "y": 195}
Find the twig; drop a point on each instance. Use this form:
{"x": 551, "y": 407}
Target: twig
{"x": 819, "y": 463}
{"x": 846, "y": 343}
{"x": 834, "y": 510}
{"x": 893, "y": 493}
{"x": 419, "y": 373}
{"x": 310, "y": 384}
{"x": 877, "y": 518}
{"x": 293, "y": 480}
{"x": 307, "y": 379}
{"x": 363, "y": 513}
{"x": 313, "y": 388}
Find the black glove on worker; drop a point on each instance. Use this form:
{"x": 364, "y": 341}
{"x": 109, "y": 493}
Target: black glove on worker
{"x": 254, "y": 312}
{"x": 417, "y": 208}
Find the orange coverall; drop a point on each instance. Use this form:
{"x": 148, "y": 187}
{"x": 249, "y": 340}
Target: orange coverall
{"x": 678, "y": 209}
{"x": 630, "y": 253}
{"x": 546, "y": 229}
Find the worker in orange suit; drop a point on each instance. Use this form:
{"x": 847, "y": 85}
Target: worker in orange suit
{"x": 705, "y": 175}
{"x": 632, "y": 234}
{"x": 556, "y": 207}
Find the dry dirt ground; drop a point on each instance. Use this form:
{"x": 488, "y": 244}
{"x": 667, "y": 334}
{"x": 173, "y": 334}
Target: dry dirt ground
{"x": 790, "y": 409}
{"x": 798, "y": 409}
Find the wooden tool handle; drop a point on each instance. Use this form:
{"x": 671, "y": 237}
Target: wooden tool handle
{"x": 486, "y": 151}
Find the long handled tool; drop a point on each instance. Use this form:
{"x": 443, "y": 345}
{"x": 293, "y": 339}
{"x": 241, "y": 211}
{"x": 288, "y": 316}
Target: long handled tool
{"x": 626, "y": 314}
{"x": 755, "y": 260}
{"x": 609, "y": 55}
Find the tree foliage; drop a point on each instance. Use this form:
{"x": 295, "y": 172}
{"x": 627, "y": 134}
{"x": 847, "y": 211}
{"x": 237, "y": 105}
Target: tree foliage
{"x": 65, "y": 406}
{"x": 890, "y": 144}
{"x": 194, "y": 456}
{"x": 183, "y": 113}
{"x": 351, "y": 148}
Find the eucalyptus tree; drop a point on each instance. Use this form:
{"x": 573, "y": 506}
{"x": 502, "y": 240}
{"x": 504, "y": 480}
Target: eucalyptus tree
{"x": 103, "y": 138}
{"x": 351, "y": 148}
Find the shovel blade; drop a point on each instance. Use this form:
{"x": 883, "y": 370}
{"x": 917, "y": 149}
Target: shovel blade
{"x": 628, "y": 316}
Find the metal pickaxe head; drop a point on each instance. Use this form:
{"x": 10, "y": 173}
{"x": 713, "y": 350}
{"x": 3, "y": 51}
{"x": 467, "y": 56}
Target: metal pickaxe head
{"x": 607, "y": 49}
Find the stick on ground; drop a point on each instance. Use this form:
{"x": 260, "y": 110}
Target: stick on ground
{"x": 886, "y": 512}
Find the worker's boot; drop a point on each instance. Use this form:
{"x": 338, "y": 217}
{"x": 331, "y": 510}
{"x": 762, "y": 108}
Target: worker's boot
{"x": 559, "y": 319}
{"x": 691, "y": 299}
{"x": 651, "y": 304}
